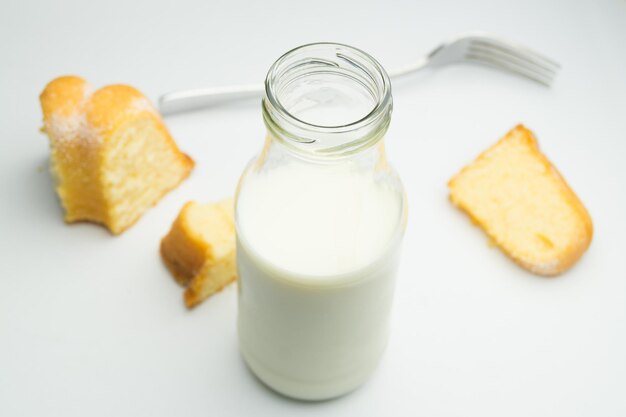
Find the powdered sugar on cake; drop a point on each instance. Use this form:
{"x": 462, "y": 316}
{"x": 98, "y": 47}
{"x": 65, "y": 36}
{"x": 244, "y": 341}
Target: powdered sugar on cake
{"x": 140, "y": 105}
{"x": 64, "y": 129}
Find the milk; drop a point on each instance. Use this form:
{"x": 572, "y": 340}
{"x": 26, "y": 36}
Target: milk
{"x": 317, "y": 253}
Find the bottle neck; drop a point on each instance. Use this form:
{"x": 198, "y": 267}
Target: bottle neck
{"x": 327, "y": 101}
{"x": 371, "y": 161}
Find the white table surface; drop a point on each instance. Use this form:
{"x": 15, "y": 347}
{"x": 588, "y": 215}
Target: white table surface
{"x": 93, "y": 325}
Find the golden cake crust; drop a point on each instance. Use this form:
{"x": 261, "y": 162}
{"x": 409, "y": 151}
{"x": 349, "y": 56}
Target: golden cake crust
{"x": 463, "y": 190}
{"x": 94, "y": 137}
{"x": 63, "y": 96}
{"x": 110, "y": 107}
{"x": 199, "y": 249}
{"x": 182, "y": 249}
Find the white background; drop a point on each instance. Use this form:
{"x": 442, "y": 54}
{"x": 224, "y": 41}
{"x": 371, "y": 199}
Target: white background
{"x": 93, "y": 325}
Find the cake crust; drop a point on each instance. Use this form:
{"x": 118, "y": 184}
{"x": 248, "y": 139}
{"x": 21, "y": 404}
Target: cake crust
{"x": 199, "y": 249}
{"x": 103, "y": 143}
{"x": 528, "y": 212}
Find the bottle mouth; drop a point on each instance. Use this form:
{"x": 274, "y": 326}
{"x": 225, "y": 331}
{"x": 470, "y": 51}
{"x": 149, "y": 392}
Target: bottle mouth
{"x": 327, "y": 98}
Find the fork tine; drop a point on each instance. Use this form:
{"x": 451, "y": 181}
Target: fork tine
{"x": 517, "y": 51}
{"x": 501, "y": 63}
{"x": 513, "y": 57}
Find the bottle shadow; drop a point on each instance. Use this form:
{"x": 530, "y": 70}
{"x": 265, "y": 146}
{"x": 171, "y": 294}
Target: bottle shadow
{"x": 292, "y": 401}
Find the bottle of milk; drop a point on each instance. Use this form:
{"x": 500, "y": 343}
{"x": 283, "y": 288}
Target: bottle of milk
{"x": 320, "y": 216}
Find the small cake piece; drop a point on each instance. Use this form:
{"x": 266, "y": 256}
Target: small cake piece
{"x": 199, "y": 249}
{"x": 112, "y": 156}
{"x": 521, "y": 201}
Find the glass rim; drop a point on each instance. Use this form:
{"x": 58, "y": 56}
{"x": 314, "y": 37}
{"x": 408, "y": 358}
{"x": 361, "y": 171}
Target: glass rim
{"x": 278, "y": 116}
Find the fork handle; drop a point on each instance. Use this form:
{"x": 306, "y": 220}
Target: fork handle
{"x": 409, "y": 68}
{"x": 198, "y": 98}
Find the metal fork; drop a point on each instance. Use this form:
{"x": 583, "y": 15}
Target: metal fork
{"x": 474, "y": 47}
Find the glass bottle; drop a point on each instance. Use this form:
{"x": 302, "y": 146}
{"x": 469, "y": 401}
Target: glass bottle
{"x": 320, "y": 216}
